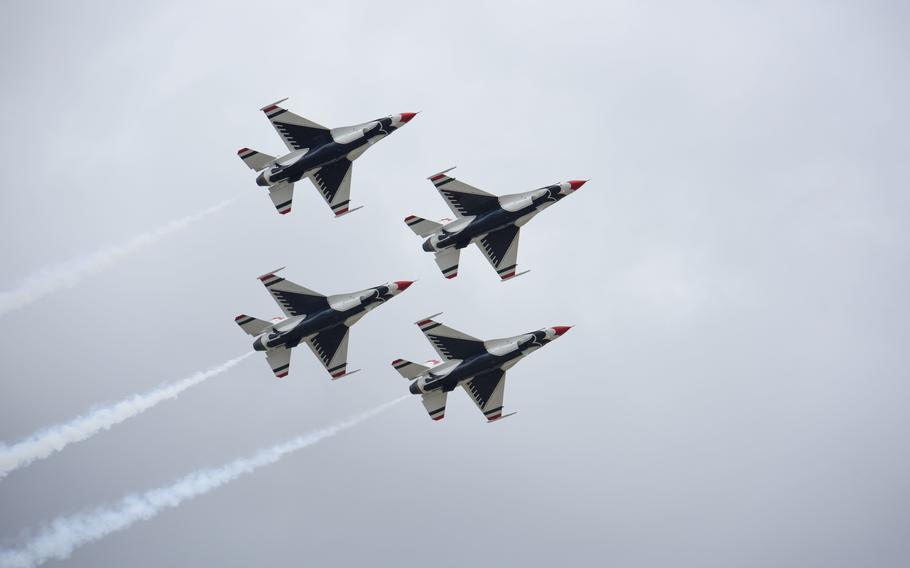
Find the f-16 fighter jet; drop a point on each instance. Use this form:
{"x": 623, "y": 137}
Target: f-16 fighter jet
{"x": 491, "y": 222}
{"x": 322, "y": 154}
{"x": 477, "y": 365}
{"x": 322, "y": 322}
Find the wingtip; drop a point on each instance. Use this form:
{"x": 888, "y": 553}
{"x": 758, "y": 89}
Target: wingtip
{"x": 501, "y": 417}
{"x": 272, "y": 106}
{"x": 346, "y": 211}
{"x": 271, "y": 274}
{"x": 438, "y": 175}
{"x": 424, "y": 321}
{"x": 343, "y": 375}
{"x": 512, "y": 276}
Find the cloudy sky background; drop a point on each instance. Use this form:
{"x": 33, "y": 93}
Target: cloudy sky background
{"x": 735, "y": 391}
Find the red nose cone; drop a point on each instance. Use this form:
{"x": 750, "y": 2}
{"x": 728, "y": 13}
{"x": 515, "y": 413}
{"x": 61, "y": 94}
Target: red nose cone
{"x": 576, "y": 183}
{"x": 560, "y": 329}
{"x": 407, "y": 116}
{"x": 403, "y": 284}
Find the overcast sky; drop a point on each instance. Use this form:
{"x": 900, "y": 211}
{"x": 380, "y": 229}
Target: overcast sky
{"x": 735, "y": 391}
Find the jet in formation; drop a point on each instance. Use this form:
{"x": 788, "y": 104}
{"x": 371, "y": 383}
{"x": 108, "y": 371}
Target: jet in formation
{"x": 477, "y": 365}
{"x": 322, "y": 322}
{"x": 322, "y": 154}
{"x": 492, "y": 222}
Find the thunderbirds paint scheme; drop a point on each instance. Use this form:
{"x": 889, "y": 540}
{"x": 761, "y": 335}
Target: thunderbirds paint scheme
{"x": 491, "y": 222}
{"x": 477, "y": 365}
{"x": 322, "y": 322}
{"x": 322, "y": 154}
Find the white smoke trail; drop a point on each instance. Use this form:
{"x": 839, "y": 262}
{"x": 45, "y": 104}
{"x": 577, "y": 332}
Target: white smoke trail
{"x": 69, "y": 273}
{"x": 65, "y": 534}
{"x": 45, "y": 442}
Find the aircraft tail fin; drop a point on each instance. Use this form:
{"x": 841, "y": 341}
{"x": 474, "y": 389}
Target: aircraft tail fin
{"x": 255, "y": 160}
{"x": 409, "y": 370}
{"x": 251, "y": 325}
{"x": 421, "y": 226}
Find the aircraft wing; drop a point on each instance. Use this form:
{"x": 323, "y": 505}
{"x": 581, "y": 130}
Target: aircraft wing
{"x": 296, "y": 132}
{"x": 435, "y": 403}
{"x": 331, "y": 347}
{"x": 334, "y": 183}
{"x": 486, "y": 390}
{"x": 282, "y": 194}
{"x": 293, "y": 299}
{"x": 450, "y": 343}
{"x": 447, "y": 261}
{"x": 464, "y": 200}
{"x": 279, "y": 360}
{"x": 501, "y": 249}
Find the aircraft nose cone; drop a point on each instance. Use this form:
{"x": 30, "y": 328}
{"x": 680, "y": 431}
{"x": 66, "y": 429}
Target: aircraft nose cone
{"x": 576, "y": 183}
{"x": 403, "y": 284}
{"x": 407, "y": 116}
{"x": 560, "y": 329}
{"x": 414, "y": 389}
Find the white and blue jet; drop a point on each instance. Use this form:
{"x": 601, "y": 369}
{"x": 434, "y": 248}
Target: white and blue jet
{"x": 324, "y": 155}
{"x": 491, "y": 222}
{"x": 476, "y": 365}
{"x": 322, "y": 322}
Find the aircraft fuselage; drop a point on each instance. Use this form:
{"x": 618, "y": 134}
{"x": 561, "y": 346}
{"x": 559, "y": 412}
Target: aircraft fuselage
{"x": 290, "y": 332}
{"x": 348, "y": 144}
{"x": 500, "y": 354}
{"x": 517, "y": 210}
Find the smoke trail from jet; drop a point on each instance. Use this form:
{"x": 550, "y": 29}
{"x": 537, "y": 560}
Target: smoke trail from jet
{"x": 69, "y": 273}
{"x": 46, "y": 442}
{"x": 65, "y": 534}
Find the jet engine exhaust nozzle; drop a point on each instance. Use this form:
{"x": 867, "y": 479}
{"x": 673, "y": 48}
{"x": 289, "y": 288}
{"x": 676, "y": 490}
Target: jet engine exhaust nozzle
{"x": 414, "y": 389}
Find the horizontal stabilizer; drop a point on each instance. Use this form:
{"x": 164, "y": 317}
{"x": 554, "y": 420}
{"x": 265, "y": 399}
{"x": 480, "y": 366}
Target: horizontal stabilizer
{"x": 255, "y": 160}
{"x": 279, "y": 360}
{"x": 447, "y": 261}
{"x": 408, "y": 369}
{"x": 251, "y": 325}
{"x": 282, "y": 196}
{"x": 421, "y": 226}
{"x": 435, "y": 403}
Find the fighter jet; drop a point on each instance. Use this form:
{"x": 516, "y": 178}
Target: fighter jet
{"x": 477, "y": 365}
{"x": 322, "y": 154}
{"x": 491, "y": 222}
{"x": 322, "y": 322}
